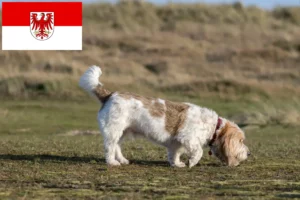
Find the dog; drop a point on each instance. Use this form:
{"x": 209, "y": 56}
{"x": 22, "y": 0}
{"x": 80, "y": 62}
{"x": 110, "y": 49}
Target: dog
{"x": 183, "y": 128}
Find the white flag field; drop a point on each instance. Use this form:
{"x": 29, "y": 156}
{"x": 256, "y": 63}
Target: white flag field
{"x": 41, "y": 26}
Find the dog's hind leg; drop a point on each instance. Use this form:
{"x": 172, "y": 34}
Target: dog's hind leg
{"x": 119, "y": 155}
{"x": 110, "y": 152}
{"x": 112, "y": 137}
{"x": 112, "y": 125}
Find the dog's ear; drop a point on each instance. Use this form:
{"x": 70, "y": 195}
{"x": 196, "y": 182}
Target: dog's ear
{"x": 227, "y": 144}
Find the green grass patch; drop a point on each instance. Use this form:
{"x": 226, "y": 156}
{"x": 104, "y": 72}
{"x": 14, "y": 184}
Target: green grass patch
{"x": 39, "y": 161}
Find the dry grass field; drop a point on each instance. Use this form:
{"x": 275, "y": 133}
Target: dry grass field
{"x": 243, "y": 62}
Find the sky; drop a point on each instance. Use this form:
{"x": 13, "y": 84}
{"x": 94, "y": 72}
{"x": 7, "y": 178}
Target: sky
{"x": 266, "y": 4}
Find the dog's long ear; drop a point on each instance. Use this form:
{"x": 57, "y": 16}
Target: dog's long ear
{"x": 227, "y": 146}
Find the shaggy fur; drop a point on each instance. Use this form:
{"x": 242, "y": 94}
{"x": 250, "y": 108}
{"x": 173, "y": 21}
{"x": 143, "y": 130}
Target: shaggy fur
{"x": 180, "y": 127}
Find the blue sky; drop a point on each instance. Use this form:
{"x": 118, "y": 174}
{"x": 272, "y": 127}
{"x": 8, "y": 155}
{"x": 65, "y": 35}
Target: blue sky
{"x": 267, "y": 4}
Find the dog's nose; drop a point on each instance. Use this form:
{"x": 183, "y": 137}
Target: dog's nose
{"x": 248, "y": 154}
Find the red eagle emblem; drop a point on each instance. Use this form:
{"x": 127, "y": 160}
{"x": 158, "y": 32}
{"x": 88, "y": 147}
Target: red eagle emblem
{"x": 42, "y": 25}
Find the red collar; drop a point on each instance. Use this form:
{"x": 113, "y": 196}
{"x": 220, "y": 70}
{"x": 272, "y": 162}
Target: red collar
{"x": 215, "y": 133}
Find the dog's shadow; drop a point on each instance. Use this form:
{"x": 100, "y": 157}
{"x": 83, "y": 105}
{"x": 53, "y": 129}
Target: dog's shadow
{"x": 86, "y": 159}
{"x": 76, "y": 159}
{"x": 47, "y": 157}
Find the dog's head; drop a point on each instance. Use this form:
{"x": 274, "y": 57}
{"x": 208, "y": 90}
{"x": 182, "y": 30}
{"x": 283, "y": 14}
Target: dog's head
{"x": 229, "y": 145}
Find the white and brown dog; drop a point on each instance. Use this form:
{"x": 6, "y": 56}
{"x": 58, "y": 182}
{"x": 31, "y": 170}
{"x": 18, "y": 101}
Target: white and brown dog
{"x": 180, "y": 127}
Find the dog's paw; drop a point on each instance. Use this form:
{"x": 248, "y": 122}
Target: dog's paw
{"x": 124, "y": 161}
{"x": 113, "y": 163}
{"x": 180, "y": 165}
{"x": 192, "y": 163}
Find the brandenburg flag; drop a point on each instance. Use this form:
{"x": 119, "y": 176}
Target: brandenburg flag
{"x": 41, "y": 26}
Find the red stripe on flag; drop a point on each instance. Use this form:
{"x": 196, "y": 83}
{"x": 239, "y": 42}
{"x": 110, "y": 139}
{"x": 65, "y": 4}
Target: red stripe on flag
{"x": 18, "y": 13}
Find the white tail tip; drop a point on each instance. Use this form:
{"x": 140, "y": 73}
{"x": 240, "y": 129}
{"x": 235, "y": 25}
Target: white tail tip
{"x": 90, "y": 79}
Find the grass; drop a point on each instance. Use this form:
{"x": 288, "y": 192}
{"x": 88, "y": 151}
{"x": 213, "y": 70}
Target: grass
{"x": 39, "y": 160}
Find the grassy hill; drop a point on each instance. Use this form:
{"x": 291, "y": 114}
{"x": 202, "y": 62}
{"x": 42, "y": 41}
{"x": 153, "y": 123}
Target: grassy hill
{"x": 195, "y": 48}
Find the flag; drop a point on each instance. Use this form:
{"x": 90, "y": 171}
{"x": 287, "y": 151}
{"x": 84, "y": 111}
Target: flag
{"x": 41, "y": 26}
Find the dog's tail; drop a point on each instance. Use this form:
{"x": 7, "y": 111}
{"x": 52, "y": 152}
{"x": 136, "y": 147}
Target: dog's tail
{"x": 89, "y": 81}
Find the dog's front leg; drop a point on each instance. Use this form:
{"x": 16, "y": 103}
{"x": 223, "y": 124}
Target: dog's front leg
{"x": 196, "y": 155}
{"x": 175, "y": 150}
{"x": 174, "y": 158}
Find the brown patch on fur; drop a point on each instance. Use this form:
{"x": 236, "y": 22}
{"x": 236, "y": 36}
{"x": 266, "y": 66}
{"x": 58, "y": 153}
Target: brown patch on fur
{"x": 155, "y": 108}
{"x": 175, "y": 113}
{"x": 102, "y": 94}
{"x": 229, "y": 135}
{"x": 175, "y": 116}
